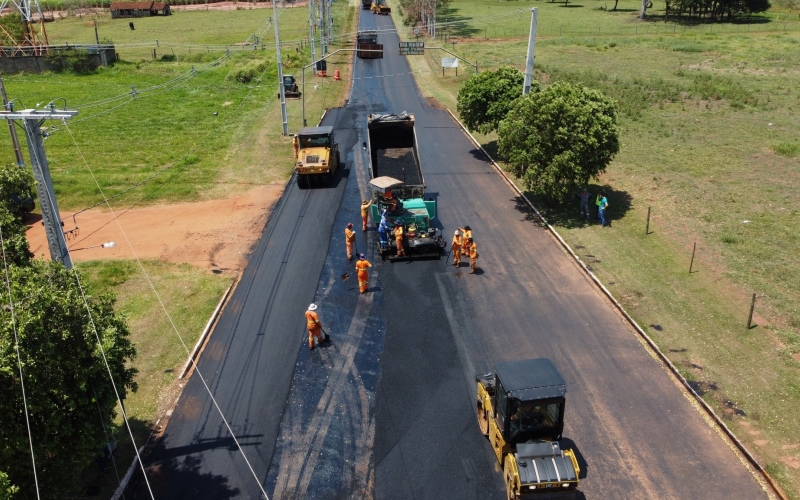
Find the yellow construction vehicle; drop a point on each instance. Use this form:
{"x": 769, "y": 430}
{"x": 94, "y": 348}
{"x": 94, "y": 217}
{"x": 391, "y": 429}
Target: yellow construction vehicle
{"x": 380, "y": 7}
{"x": 317, "y": 155}
{"x": 521, "y": 412}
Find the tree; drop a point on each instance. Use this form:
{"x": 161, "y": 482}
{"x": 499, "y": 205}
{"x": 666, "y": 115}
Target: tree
{"x": 66, "y": 380}
{"x": 486, "y": 98}
{"x": 7, "y": 490}
{"x": 15, "y": 244}
{"x": 558, "y": 139}
{"x": 16, "y": 190}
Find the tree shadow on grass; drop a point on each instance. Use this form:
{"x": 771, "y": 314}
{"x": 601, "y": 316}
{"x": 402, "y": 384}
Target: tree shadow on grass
{"x": 456, "y": 25}
{"x": 567, "y": 213}
{"x": 694, "y": 21}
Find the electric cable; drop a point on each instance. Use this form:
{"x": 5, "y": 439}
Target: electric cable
{"x": 163, "y": 307}
{"x": 102, "y": 349}
{"x": 108, "y": 433}
{"x": 19, "y": 361}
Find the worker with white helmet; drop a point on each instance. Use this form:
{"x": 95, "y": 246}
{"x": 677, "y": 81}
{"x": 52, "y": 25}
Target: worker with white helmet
{"x": 314, "y": 327}
{"x": 456, "y": 248}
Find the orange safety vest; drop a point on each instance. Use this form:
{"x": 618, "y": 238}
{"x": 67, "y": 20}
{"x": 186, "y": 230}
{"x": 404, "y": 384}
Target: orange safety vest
{"x": 456, "y": 241}
{"x": 398, "y": 232}
{"x": 349, "y": 235}
{"x": 362, "y": 265}
{"x": 473, "y": 251}
{"x": 467, "y": 234}
{"x": 364, "y": 207}
{"x": 312, "y": 320}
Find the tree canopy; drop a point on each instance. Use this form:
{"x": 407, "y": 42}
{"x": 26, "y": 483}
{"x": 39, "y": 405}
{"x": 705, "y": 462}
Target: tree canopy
{"x": 487, "y": 97}
{"x": 67, "y": 383}
{"x": 558, "y": 139}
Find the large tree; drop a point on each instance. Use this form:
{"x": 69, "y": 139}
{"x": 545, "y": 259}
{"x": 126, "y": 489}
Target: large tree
{"x": 66, "y": 380}
{"x": 16, "y": 190}
{"x": 558, "y": 139}
{"x": 487, "y": 97}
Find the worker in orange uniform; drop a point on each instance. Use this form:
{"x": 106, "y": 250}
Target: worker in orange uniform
{"x": 349, "y": 239}
{"x": 364, "y": 207}
{"x": 473, "y": 256}
{"x": 466, "y": 232}
{"x": 363, "y": 276}
{"x": 456, "y": 248}
{"x": 314, "y": 327}
{"x": 296, "y": 145}
{"x": 398, "y": 238}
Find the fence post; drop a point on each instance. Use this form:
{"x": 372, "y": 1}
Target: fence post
{"x": 750, "y": 316}
{"x": 647, "y": 227}
{"x": 691, "y": 264}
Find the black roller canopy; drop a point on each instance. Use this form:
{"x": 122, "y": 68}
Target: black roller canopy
{"x": 531, "y": 379}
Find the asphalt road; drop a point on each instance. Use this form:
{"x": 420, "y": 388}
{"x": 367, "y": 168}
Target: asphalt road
{"x": 387, "y": 409}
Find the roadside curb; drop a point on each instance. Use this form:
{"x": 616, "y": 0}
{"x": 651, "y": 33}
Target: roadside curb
{"x": 709, "y": 411}
{"x": 204, "y": 336}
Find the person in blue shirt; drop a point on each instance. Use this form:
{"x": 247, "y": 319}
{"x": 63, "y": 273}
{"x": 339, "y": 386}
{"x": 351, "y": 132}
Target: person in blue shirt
{"x": 603, "y": 206}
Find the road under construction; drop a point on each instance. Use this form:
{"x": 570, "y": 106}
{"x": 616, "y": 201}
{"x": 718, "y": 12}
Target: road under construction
{"x": 387, "y": 409}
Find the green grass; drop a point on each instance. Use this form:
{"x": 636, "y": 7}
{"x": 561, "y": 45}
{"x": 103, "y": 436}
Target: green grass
{"x": 211, "y": 156}
{"x": 189, "y": 295}
{"x": 709, "y": 119}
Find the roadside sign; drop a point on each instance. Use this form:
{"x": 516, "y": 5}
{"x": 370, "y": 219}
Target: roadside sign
{"x": 449, "y": 62}
{"x": 412, "y": 48}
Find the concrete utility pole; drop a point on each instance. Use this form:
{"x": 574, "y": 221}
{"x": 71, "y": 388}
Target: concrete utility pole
{"x": 280, "y": 70}
{"x": 32, "y": 120}
{"x": 526, "y": 87}
{"x": 330, "y": 22}
{"x": 311, "y": 25}
{"x": 12, "y": 128}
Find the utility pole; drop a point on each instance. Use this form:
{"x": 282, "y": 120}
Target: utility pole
{"x": 526, "y": 87}
{"x": 321, "y": 25}
{"x": 311, "y": 26}
{"x": 280, "y": 70}
{"x": 12, "y": 128}
{"x": 32, "y": 120}
{"x": 330, "y": 22}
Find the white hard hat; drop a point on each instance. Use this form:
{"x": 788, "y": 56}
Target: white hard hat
{"x": 312, "y": 307}
{"x": 456, "y": 233}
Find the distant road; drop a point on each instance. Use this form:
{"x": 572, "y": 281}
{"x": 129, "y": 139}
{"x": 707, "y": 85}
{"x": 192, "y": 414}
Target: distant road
{"x": 387, "y": 410}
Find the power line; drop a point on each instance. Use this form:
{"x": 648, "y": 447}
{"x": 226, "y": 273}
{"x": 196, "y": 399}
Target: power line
{"x": 105, "y": 359}
{"x": 163, "y": 307}
{"x": 19, "y": 362}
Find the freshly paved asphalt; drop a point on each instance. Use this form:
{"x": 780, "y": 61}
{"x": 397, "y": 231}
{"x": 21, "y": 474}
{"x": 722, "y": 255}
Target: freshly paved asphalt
{"x": 387, "y": 409}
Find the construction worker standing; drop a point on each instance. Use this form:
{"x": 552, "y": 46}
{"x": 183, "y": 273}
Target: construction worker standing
{"x": 364, "y": 207}
{"x": 456, "y": 248}
{"x": 314, "y": 327}
{"x": 466, "y": 231}
{"x": 473, "y": 256}
{"x": 296, "y": 145}
{"x": 349, "y": 239}
{"x": 363, "y": 276}
{"x": 398, "y": 238}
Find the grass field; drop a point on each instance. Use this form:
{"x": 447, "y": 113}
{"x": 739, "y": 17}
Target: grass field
{"x": 173, "y": 129}
{"x": 709, "y": 131}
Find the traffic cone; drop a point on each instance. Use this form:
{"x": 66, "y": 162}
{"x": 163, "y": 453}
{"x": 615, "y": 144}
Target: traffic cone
{"x": 336, "y": 75}
{"x": 322, "y": 73}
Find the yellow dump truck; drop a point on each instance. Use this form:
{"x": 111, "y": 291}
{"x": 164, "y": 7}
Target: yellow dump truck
{"x": 521, "y": 411}
{"x": 317, "y": 156}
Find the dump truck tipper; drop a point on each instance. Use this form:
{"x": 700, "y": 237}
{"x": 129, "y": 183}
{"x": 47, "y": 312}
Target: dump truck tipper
{"x": 367, "y": 46}
{"x": 521, "y": 412}
{"x": 398, "y": 188}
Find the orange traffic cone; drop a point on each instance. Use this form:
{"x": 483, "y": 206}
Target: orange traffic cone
{"x": 336, "y": 75}
{"x": 322, "y": 73}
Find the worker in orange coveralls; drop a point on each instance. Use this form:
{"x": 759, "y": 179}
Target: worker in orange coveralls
{"x": 473, "y": 256}
{"x": 398, "y": 238}
{"x": 349, "y": 239}
{"x": 466, "y": 231}
{"x": 456, "y": 248}
{"x": 314, "y": 327}
{"x": 363, "y": 276}
{"x": 296, "y": 144}
{"x": 364, "y": 206}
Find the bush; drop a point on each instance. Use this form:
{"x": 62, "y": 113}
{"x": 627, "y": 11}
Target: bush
{"x": 77, "y": 61}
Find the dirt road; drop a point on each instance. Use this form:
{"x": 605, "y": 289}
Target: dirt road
{"x": 215, "y": 235}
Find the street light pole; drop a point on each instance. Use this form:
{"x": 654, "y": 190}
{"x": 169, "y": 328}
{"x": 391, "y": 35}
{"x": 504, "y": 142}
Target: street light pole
{"x": 280, "y": 70}
{"x": 526, "y": 86}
